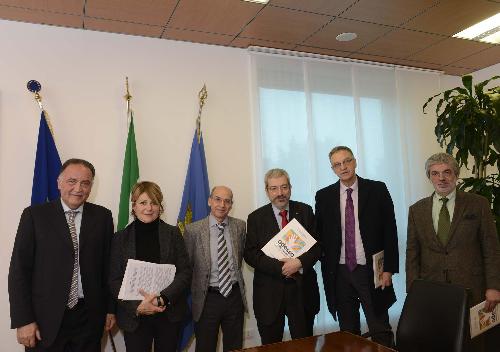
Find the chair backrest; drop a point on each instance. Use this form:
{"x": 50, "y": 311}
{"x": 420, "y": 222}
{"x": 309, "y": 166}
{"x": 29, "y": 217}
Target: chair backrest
{"x": 434, "y": 318}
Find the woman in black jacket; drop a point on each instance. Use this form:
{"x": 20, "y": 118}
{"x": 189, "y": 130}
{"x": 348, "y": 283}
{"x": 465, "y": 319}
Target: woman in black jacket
{"x": 158, "y": 317}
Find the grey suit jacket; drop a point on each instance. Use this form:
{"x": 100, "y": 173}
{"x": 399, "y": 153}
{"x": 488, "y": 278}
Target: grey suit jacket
{"x": 471, "y": 257}
{"x": 197, "y": 240}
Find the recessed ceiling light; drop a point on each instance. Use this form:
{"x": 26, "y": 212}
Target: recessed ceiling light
{"x": 258, "y": 1}
{"x": 345, "y": 37}
{"x": 487, "y": 31}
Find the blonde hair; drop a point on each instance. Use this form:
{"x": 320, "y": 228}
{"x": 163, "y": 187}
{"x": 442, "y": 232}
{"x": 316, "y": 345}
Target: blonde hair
{"x": 151, "y": 189}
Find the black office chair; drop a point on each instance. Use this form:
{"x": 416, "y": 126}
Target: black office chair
{"x": 434, "y": 318}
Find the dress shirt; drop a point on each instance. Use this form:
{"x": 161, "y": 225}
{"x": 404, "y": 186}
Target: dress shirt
{"x": 278, "y": 216}
{"x": 78, "y": 224}
{"x": 214, "y": 255}
{"x": 437, "y": 204}
{"x": 360, "y": 251}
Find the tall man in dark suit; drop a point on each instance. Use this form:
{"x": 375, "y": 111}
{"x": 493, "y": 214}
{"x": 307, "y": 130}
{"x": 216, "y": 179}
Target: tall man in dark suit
{"x": 287, "y": 287}
{"x": 452, "y": 238}
{"x": 215, "y": 247}
{"x": 58, "y": 270}
{"x": 355, "y": 219}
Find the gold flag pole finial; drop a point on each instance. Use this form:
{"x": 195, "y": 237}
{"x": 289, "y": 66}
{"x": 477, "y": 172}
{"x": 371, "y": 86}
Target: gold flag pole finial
{"x": 35, "y": 87}
{"x": 127, "y": 96}
{"x": 202, "y": 96}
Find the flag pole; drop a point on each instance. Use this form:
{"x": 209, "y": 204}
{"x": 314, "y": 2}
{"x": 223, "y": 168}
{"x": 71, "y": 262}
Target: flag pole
{"x": 127, "y": 97}
{"x": 202, "y": 96}
{"x": 35, "y": 87}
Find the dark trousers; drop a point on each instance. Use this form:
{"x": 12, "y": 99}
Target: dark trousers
{"x": 354, "y": 288}
{"x": 75, "y": 334}
{"x": 226, "y": 313}
{"x": 300, "y": 324}
{"x": 155, "y": 329}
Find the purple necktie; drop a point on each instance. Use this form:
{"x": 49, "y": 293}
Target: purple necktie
{"x": 350, "y": 241}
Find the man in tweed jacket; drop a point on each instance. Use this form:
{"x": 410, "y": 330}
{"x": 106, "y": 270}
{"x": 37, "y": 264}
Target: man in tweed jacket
{"x": 211, "y": 309}
{"x": 470, "y": 253}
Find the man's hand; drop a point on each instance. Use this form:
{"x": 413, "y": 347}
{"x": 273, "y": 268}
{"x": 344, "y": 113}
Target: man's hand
{"x": 386, "y": 279}
{"x": 28, "y": 334}
{"x": 492, "y": 299}
{"x": 291, "y": 266}
{"x": 110, "y": 321}
{"x": 147, "y": 306}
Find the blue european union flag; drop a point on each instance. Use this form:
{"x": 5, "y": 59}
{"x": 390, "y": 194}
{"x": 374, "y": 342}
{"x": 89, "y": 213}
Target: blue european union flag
{"x": 47, "y": 166}
{"x": 194, "y": 207}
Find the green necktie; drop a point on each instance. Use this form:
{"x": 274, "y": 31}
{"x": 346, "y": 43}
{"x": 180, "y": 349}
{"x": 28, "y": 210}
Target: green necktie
{"x": 443, "y": 222}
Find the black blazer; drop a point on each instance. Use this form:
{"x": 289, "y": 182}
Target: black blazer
{"x": 268, "y": 281}
{"x": 172, "y": 251}
{"x": 377, "y": 225}
{"x": 41, "y": 267}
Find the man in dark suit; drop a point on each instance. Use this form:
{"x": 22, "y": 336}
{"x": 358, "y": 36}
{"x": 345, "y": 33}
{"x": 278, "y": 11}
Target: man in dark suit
{"x": 215, "y": 247}
{"x": 58, "y": 270}
{"x": 287, "y": 287}
{"x": 452, "y": 238}
{"x": 355, "y": 220}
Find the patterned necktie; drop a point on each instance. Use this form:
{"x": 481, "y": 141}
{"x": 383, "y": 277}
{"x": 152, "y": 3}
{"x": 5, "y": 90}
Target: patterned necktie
{"x": 350, "y": 241}
{"x": 225, "y": 283}
{"x": 73, "y": 292}
{"x": 284, "y": 220}
{"x": 443, "y": 222}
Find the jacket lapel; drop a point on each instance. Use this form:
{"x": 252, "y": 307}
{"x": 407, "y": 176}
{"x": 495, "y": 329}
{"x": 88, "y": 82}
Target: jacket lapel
{"x": 363, "y": 193}
{"x": 457, "y": 214}
{"x": 335, "y": 201}
{"x": 235, "y": 240}
{"x": 60, "y": 223}
{"x": 205, "y": 241}
{"x": 428, "y": 223}
{"x": 130, "y": 245}
{"x": 163, "y": 239}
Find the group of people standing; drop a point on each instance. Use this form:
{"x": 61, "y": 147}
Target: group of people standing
{"x": 67, "y": 266}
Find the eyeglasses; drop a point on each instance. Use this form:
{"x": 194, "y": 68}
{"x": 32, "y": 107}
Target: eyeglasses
{"x": 446, "y": 174}
{"x": 343, "y": 163}
{"x": 283, "y": 188}
{"x": 219, "y": 200}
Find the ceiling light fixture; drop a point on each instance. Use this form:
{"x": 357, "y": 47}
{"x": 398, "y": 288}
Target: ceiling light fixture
{"x": 487, "y": 31}
{"x": 258, "y": 1}
{"x": 346, "y": 37}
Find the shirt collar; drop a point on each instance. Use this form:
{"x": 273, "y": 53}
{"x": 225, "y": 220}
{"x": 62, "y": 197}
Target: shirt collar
{"x": 277, "y": 211}
{"x": 66, "y": 208}
{"x": 212, "y": 221}
{"x": 451, "y": 196}
{"x": 354, "y": 186}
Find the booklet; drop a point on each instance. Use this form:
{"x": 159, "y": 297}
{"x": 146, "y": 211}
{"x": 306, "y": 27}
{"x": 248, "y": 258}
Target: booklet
{"x": 378, "y": 268}
{"x": 481, "y": 320}
{"x": 151, "y": 277}
{"x": 292, "y": 241}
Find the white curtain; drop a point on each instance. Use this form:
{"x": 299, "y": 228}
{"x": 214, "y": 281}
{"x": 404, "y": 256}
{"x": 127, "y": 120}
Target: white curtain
{"x": 305, "y": 106}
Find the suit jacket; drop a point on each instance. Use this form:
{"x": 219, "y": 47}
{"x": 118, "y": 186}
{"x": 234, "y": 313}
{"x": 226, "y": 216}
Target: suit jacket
{"x": 377, "y": 225}
{"x": 197, "y": 240}
{"x": 41, "y": 267}
{"x": 471, "y": 257}
{"x": 268, "y": 281}
{"x": 172, "y": 251}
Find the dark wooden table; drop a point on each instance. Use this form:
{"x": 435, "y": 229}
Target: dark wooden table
{"x": 334, "y": 342}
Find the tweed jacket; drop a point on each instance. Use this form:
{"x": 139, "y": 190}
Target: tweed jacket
{"x": 471, "y": 257}
{"x": 197, "y": 240}
{"x": 172, "y": 251}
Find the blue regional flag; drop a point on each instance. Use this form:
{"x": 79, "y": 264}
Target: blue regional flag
{"x": 47, "y": 166}
{"x": 194, "y": 207}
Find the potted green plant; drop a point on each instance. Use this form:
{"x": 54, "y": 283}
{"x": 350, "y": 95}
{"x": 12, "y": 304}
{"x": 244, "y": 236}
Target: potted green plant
{"x": 468, "y": 122}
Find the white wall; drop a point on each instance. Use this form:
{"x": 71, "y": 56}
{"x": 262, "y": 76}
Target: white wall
{"x": 82, "y": 75}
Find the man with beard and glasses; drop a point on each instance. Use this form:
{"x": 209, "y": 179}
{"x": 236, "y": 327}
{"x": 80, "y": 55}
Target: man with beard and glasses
{"x": 287, "y": 287}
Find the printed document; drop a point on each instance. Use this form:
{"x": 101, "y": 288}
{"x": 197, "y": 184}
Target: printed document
{"x": 481, "y": 320}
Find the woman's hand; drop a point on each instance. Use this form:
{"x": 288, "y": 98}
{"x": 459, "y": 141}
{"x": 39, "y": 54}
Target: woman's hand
{"x": 147, "y": 306}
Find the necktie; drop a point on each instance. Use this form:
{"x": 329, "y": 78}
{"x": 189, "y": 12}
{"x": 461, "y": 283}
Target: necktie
{"x": 284, "y": 220}
{"x": 350, "y": 241}
{"x": 225, "y": 283}
{"x": 443, "y": 222}
{"x": 73, "y": 292}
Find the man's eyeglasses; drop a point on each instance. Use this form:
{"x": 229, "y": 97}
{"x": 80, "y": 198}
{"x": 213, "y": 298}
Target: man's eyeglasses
{"x": 274, "y": 189}
{"x": 343, "y": 163}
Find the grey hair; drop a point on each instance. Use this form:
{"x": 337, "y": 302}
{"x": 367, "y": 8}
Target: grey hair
{"x": 273, "y": 173}
{"x": 338, "y": 149}
{"x": 442, "y": 158}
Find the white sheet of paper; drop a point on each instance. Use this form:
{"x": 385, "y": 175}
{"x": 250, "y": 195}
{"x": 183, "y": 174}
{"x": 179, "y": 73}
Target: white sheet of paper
{"x": 292, "y": 241}
{"x": 151, "y": 277}
{"x": 378, "y": 268}
{"x": 480, "y": 320}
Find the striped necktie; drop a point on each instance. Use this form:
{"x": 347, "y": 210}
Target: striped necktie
{"x": 73, "y": 292}
{"x": 225, "y": 283}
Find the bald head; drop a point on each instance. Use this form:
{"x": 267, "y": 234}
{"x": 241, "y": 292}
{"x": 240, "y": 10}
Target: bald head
{"x": 220, "y": 202}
